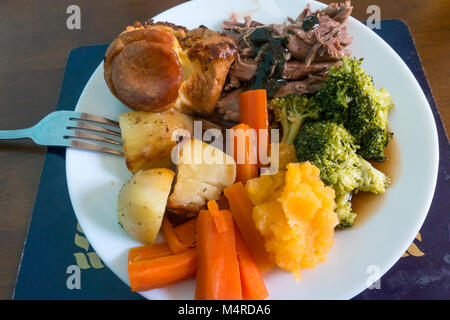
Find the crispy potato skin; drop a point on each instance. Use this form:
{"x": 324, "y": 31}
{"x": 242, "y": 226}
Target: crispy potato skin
{"x": 203, "y": 172}
{"x": 147, "y": 137}
{"x": 158, "y": 66}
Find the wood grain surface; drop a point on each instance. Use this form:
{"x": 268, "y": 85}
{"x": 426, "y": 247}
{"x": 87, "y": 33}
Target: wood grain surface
{"x": 33, "y": 54}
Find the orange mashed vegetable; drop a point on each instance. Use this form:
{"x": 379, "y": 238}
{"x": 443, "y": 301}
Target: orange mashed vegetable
{"x": 294, "y": 212}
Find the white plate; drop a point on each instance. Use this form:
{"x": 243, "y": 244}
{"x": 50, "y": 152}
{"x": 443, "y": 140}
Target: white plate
{"x": 359, "y": 254}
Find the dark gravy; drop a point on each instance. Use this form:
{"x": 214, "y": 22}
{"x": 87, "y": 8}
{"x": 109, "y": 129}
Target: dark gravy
{"x": 365, "y": 204}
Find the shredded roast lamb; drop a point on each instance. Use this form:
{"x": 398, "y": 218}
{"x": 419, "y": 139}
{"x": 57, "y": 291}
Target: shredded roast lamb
{"x": 309, "y": 54}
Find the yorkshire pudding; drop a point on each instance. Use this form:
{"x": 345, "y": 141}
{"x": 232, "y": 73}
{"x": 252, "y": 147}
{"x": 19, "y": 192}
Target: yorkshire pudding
{"x": 143, "y": 70}
{"x": 209, "y": 57}
{"x": 159, "y": 66}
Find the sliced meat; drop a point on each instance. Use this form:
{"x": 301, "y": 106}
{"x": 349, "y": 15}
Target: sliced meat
{"x": 244, "y": 69}
{"x": 309, "y": 55}
{"x": 326, "y": 25}
{"x": 233, "y": 24}
{"x": 343, "y": 37}
{"x": 333, "y": 46}
{"x": 338, "y": 11}
{"x": 296, "y": 70}
{"x": 330, "y": 34}
{"x": 297, "y": 46}
{"x": 229, "y": 105}
{"x": 307, "y": 86}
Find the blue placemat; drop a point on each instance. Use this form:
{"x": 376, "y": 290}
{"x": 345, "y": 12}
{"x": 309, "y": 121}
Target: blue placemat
{"x": 58, "y": 262}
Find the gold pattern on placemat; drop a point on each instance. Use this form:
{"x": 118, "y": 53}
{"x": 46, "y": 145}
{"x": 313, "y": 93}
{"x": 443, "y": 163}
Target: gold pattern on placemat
{"x": 413, "y": 249}
{"x": 85, "y": 260}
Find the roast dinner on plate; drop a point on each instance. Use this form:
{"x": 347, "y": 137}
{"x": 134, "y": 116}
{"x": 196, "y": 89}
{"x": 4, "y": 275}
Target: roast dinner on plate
{"x": 246, "y": 147}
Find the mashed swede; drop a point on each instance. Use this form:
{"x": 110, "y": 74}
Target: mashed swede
{"x": 297, "y": 220}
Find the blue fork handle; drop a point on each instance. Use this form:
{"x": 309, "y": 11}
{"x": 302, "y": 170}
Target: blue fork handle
{"x": 16, "y": 134}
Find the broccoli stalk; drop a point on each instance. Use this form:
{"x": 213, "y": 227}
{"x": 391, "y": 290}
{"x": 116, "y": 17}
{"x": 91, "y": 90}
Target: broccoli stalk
{"x": 346, "y": 216}
{"x": 291, "y": 112}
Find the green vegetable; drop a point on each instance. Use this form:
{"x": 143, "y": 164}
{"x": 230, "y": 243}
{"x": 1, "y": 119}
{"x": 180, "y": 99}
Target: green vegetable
{"x": 349, "y": 97}
{"x": 372, "y": 180}
{"x": 291, "y": 111}
{"x": 333, "y": 150}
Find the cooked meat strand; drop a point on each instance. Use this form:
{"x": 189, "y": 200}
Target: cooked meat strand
{"x": 229, "y": 105}
{"x": 338, "y": 12}
{"x": 296, "y": 70}
{"x": 293, "y": 70}
{"x": 244, "y": 69}
{"x": 307, "y": 86}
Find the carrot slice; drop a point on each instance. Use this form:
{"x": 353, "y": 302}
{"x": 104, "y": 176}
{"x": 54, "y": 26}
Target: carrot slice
{"x": 242, "y": 208}
{"x": 171, "y": 237}
{"x": 162, "y": 272}
{"x": 253, "y": 111}
{"x": 186, "y": 232}
{"x": 253, "y": 108}
{"x": 245, "y": 153}
{"x": 218, "y": 219}
{"x": 149, "y": 252}
{"x": 218, "y": 268}
{"x": 253, "y": 287}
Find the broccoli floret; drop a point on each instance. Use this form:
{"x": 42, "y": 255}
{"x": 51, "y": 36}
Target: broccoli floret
{"x": 383, "y": 98}
{"x": 291, "y": 111}
{"x": 349, "y": 97}
{"x": 372, "y": 180}
{"x": 333, "y": 150}
{"x": 373, "y": 142}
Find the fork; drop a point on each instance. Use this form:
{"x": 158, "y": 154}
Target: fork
{"x": 73, "y": 129}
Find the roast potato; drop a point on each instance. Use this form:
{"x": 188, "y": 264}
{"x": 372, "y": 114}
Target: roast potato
{"x": 142, "y": 203}
{"x": 203, "y": 172}
{"x": 147, "y": 136}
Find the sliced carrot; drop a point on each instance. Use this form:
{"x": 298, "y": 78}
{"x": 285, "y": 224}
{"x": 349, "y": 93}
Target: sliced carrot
{"x": 218, "y": 218}
{"x": 253, "y": 111}
{"x": 162, "y": 272}
{"x": 171, "y": 237}
{"x": 253, "y": 108}
{"x": 252, "y": 282}
{"x": 186, "y": 232}
{"x": 245, "y": 153}
{"x": 149, "y": 252}
{"x": 218, "y": 268}
{"x": 242, "y": 208}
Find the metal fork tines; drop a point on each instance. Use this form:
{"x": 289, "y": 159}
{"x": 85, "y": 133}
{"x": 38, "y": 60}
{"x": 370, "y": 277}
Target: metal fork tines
{"x": 73, "y": 129}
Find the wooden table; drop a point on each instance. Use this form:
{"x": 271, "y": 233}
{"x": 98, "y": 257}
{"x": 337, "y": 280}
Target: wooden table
{"x": 35, "y": 46}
